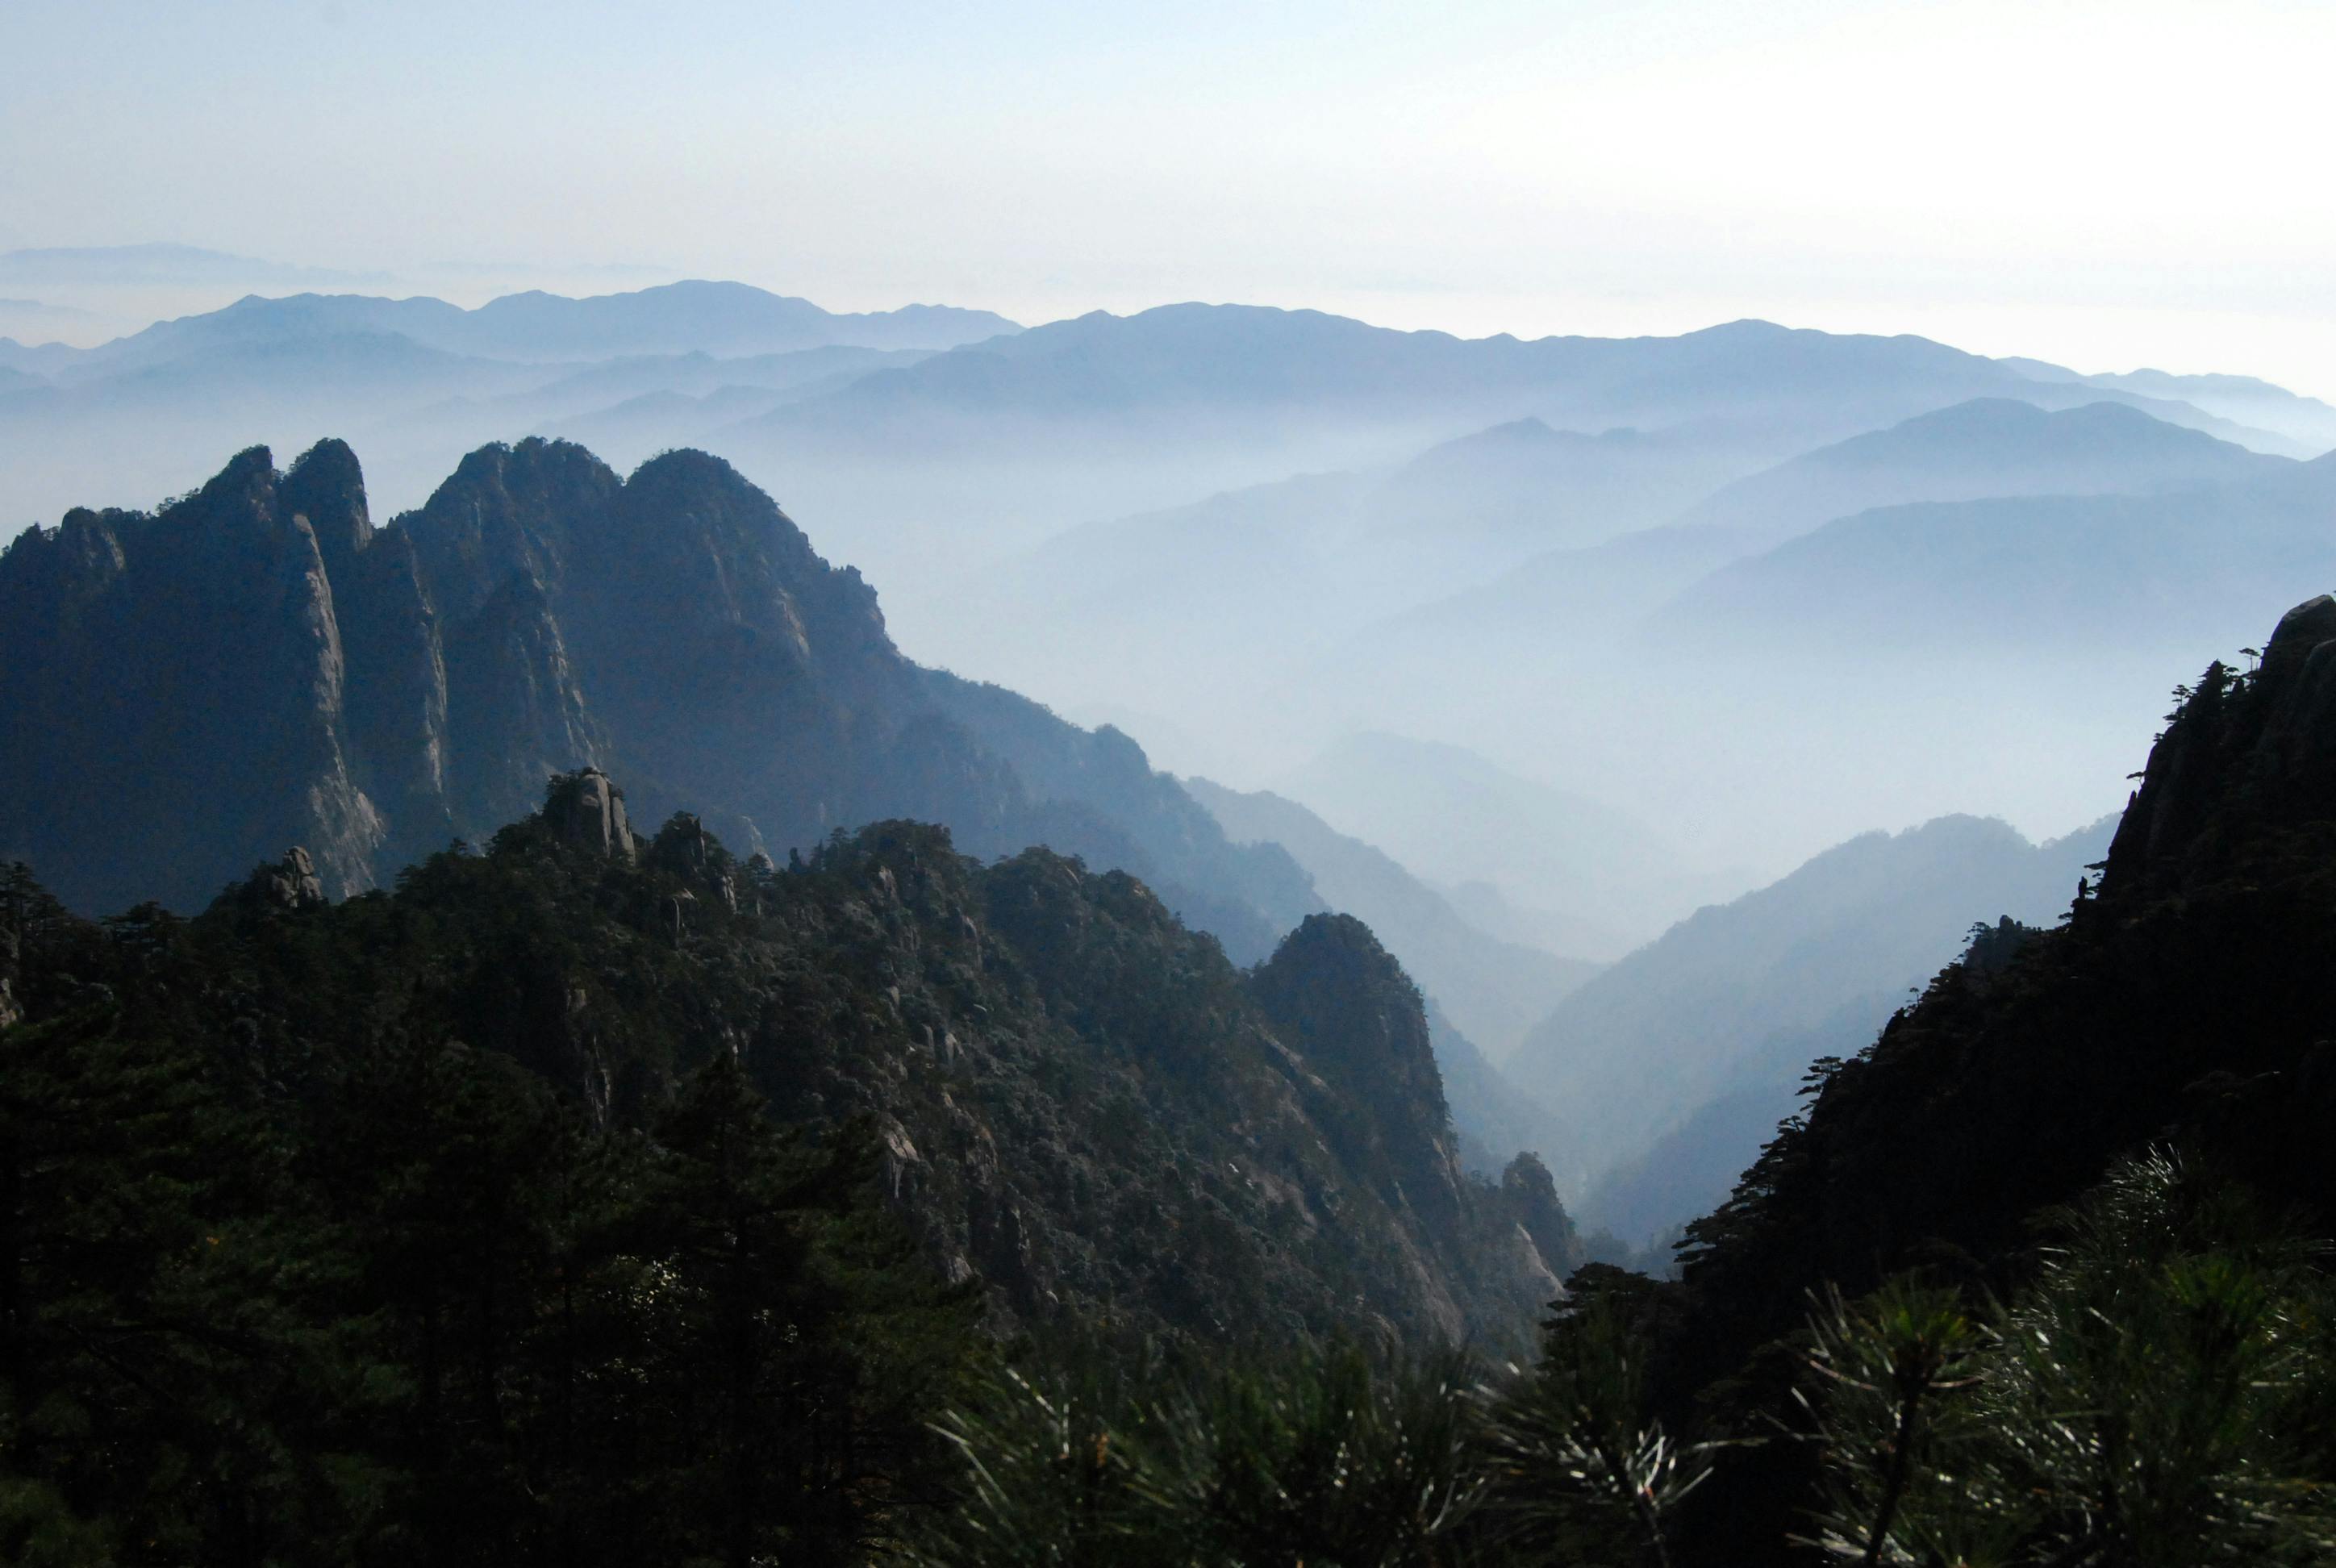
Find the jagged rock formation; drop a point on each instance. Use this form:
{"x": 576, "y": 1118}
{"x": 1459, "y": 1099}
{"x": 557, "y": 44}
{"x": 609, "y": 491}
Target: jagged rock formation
{"x": 256, "y": 663}
{"x": 291, "y": 884}
{"x": 1079, "y": 1102}
{"x": 177, "y": 683}
{"x": 585, "y": 809}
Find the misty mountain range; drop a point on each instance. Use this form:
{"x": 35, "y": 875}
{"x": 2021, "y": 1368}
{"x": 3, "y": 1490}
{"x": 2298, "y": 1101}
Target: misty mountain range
{"x": 1539, "y": 646}
{"x": 1691, "y": 1048}
{"x": 391, "y": 689}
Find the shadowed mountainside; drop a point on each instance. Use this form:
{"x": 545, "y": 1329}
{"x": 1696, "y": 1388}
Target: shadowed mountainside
{"x": 1058, "y": 1074}
{"x": 1720, "y": 1016}
{"x": 256, "y": 663}
{"x": 2183, "y": 1005}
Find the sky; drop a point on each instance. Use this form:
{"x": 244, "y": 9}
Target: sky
{"x": 2106, "y": 184}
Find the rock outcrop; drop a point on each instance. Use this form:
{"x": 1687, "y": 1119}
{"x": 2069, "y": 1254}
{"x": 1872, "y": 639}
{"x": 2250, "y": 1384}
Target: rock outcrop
{"x": 291, "y": 884}
{"x": 585, "y": 809}
{"x": 1347, "y": 1007}
{"x": 2264, "y": 746}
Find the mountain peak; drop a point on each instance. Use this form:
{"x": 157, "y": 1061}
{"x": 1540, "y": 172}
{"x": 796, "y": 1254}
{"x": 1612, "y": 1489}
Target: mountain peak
{"x": 326, "y": 484}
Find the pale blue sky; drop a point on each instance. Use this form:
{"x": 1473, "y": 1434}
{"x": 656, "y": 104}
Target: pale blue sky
{"x": 2110, "y": 183}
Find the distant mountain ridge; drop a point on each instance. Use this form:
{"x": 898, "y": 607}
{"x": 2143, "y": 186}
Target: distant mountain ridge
{"x": 729, "y": 318}
{"x": 1492, "y": 990}
{"x": 372, "y": 693}
{"x": 2033, "y": 571}
{"x": 114, "y": 265}
{"x": 1984, "y": 449}
{"x": 1104, "y": 367}
{"x": 1453, "y": 816}
{"x": 1734, "y": 1002}
{"x": 2309, "y": 422}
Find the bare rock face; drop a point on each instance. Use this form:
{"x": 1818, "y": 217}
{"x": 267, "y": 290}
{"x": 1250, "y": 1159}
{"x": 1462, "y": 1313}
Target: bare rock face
{"x": 192, "y": 654}
{"x": 586, "y": 809}
{"x": 291, "y": 884}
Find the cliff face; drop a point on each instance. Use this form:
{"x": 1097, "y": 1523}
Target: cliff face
{"x": 178, "y": 681}
{"x": 373, "y": 693}
{"x": 1334, "y": 990}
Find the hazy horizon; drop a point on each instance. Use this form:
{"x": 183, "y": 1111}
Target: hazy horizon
{"x": 2118, "y": 190}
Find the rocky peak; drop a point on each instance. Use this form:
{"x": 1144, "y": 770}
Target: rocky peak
{"x": 1531, "y": 1197}
{"x": 1343, "y": 993}
{"x": 586, "y": 809}
{"x": 326, "y": 486}
{"x": 259, "y": 648}
{"x": 1341, "y": 1000}
{"x": 2301, "y": 630}
{"x": 683, "y": 849}
{"x": 290, "y": 883}
{"x": 2254, "y": 746}
{"x": 507, "y": 511}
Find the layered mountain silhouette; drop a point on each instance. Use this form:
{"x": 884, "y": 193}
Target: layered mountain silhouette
{"x": 1196, "y": 357}
{"x": 1492, "y": 990}
{"x": 1996, "y": 446}
{"x": 1454, "y": 817}
{"x": 1268, "y": 574}
{"x": 2308, "y": 423}
{"x": 1693, "y": 1047}
{"x": 2181, "y": 1009}
{"x": 718, "y": 318}
{"x": 1013, "y": 436}
{"x": 1553, "y": 609}
{"x": 186, "y": 691}
{"x": 1482, "y": 992}
{"x": 2107, "y": 571}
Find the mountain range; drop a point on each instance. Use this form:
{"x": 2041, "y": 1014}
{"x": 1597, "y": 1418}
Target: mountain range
{"x": 724, "y": 319}
{"x": 257, "y": 665}
{"x": 1693, "y": 1047}
{"x": 1988, "y": 448}
{"x": 1492, "y": 990}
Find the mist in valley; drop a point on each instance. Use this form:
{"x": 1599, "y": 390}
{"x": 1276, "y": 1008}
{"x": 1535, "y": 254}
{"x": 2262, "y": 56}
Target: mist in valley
{"x": 1577, "y": 636}
{"x": 1325, "y": 784}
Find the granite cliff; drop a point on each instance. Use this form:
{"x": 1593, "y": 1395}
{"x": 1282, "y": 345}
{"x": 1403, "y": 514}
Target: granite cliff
{"x": 255, "y": 664}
